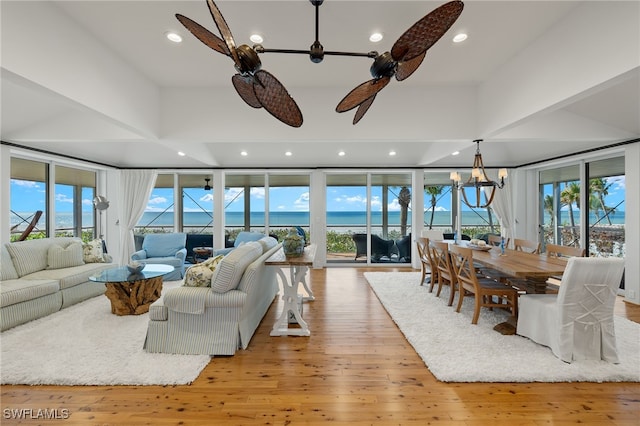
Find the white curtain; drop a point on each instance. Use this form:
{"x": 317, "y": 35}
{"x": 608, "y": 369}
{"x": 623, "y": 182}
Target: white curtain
{"x": 135, "y": 189}
{"x": 503, "y": 208}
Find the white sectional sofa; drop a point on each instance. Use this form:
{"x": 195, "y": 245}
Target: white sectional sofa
{"x": 39, "y": 277}
{"x": 220, "y": 318}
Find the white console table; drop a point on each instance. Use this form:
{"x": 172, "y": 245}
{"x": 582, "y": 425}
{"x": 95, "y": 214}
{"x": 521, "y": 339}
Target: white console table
{"x": 298, "y": 267}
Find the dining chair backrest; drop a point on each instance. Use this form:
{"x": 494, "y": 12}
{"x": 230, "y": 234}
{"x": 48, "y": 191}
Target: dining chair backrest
{"x": 442, "y": 260}
{"x": 555, "y": 250}
{"x": 462, "y": 264}
{"x": 526, "y": 245}
{"x": 422, "y": 245}
{"x": 432, "y": 234}
{"x": 496, "y": 240}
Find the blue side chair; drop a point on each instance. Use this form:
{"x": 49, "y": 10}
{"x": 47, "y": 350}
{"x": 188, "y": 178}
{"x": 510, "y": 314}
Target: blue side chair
{"x": 242, "y": 238}
{"x": 168, "y": 249}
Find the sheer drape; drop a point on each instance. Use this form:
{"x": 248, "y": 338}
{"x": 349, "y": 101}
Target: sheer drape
{"x": 502, "y": 207}
{"x": 135, "y": 189}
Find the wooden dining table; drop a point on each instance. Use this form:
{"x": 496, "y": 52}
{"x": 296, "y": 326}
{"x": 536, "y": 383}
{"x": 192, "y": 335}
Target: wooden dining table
{"x": 530, "y": 271}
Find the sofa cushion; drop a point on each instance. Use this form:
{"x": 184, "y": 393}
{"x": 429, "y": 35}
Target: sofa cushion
{"x": 200, "y": 275}
{"x": 7, "y": 270}
{"x": 229, "y": 271}
{"x": 16, "y": 291}
{"x": 58, "y": 257}
{"x": 70, "y": 277}
{"x": 32, "y": 255}
{"x": 93, "y": 252}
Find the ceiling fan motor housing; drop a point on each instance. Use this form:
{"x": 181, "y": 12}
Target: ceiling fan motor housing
{"x": 249, "y": 60}
{"x": 383, "y": 66}
{"x": 316, "y": 52}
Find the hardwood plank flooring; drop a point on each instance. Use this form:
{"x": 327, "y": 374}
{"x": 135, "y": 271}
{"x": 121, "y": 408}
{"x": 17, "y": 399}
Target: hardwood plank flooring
{"x": 356, "y": 368}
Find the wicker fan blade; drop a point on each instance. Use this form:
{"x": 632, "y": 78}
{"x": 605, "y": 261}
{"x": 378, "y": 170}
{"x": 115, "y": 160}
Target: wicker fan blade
{"x": 363, "y": 108}
{"x": 245, "y": 90}
{"x": 204, "y": 35}
{"x": 225, "y": 32}
{"x": 426, "y": 32}
{"x": 362, "y": 93}
{"x": 275, "y": 99}
{"x": 406, "y": 68}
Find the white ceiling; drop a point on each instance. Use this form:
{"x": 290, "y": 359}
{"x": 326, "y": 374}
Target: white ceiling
{"x": 97, "y": 80}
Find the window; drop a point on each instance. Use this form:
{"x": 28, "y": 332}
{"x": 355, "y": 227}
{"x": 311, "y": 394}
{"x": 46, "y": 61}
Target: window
{"x": 438, "y": 201}
{"x": 346, "y": 214}
{"x": 197, "y": 203}
{"x": 244, "y": 204}
{"x": 606, "y": 236}
{"x": 288, "y": 203}
{"x": 74, "y": 192}
{"x": 28, "y": 196}
{"x": 560, "y": 205}
{"x": 159, "y": 215}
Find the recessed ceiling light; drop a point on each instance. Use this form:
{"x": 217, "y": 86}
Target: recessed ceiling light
{"x": 256, "y": 38}
{"x": 392, "y": 153}
{"x": 174, "y": 37}
{"x": 375, "y": 37}
{"x": 459, "y": 38}
{"x": 341, "y": 153}
{"x": 288, "y": 154}
{"x": 181, "y": 154}
{"x": 244, "y": 153}
{"x": 455, "y": 153}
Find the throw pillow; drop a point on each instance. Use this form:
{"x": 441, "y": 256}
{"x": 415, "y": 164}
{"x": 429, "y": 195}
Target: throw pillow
{"x": 92, "y": 252}
{"x": 7, "y": 270}
{"x": 59, "y": 257}
{"x": 200, "y": 275}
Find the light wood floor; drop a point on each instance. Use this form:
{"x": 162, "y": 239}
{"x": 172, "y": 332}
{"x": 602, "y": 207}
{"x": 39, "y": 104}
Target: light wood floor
{"x": 356, "y": 368}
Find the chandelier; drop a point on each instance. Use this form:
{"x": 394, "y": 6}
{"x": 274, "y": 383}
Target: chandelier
{"x": 479, "y": 181}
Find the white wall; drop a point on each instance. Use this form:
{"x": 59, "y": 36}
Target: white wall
{"x": 632, "y": 223}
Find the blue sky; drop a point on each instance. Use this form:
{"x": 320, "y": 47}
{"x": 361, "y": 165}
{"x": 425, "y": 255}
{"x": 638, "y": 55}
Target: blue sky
{"x": 28, "y": 196}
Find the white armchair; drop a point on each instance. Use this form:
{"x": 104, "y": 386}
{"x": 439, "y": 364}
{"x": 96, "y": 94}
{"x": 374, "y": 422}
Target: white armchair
{"x": 577, "y": 323}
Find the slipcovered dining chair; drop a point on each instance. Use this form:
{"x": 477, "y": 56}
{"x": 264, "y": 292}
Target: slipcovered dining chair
{"x": 577, "y": 323}
{"x": 484, "y": 290}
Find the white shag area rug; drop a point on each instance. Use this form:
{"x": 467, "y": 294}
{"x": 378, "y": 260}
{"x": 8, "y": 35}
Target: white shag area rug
{"x": 454, "y": 350}
{"x": 86, "y": 344}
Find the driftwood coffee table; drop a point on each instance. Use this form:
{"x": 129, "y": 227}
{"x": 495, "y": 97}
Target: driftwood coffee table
{"x": 131, "y": 294}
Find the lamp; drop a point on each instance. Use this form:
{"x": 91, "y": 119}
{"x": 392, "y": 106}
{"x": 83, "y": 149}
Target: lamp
{"x": 100, "y": 203}
{"x": 207, "y": 187}
{"x": 478, "y": 180}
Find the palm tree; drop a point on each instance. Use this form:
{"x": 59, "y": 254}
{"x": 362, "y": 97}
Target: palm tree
{"x": 598, "y": 189}
{"x": 404, "y": 199}
{"x": 570, "y": 195}
{"x": 433, "y": 192}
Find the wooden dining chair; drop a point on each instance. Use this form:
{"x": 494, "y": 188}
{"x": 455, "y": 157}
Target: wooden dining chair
{"x": 487, "y": 292}
{"x": 426, "y": 261}
{"x": 526, "y": 246}
{"x": 555, "y": 250}
{"x": 496, "y": 240}
{"x": 440, "y": 253}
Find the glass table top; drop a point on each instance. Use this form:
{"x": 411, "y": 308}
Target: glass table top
{"x": 122, "y": 274}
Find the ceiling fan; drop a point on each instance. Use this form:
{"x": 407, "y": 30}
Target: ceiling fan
{"x": 260, "y": 89}
{"x": 207, "y": 187}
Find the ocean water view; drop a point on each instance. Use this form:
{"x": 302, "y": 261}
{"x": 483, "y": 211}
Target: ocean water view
{"x": 292, "y": 218}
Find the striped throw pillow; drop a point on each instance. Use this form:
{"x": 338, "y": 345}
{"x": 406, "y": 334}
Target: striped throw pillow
{"x": 59, "y": 257}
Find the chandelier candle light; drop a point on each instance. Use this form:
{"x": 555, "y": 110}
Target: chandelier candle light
{"x": 479, "y": 181}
